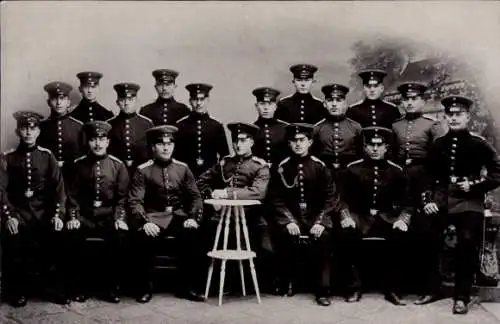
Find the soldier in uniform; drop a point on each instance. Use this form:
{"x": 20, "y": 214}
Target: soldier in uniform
{"x": 165, "y": 201}
{"x": 413, "y": 135}
{"x": 33, "y": 213}
{"x": 96, "y": 208}
{"x": 128, "y": 132}
{"x": 302, "y": 106}
{"x": 373, "y": 195}
{"x": 302, "y": 192}
{"x": 89, "y": 109}
{"x": 61, "y": 133}
{"x": 270, "y": 141}
{"x": 336, "y": 138}
{"x": 455, "y": 194}
{"x": 201, "y": 140}
{"x": 373, "y": 111}
{"x": 165, "y": 110}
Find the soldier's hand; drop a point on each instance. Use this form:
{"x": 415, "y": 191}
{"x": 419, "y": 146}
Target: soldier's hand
{"x": 219, "y": 194}
{"x": 431, "y": 208}
{"x": 12, "y": 225}
{"x": 121, "y": 225}
{"x": 317, "y": 230}
{"x": 293, "y": 229}
{"x": 348, "y": 222}
{"x": 58, "y": 223}
{"x": 400, "y": 225}
{"x": 217, "y": 207}
{"x": 190, "y": 223}
{"x": 73, "y": 224}
{"x": 464, "y": 185}
{"x": 151, "y": 229}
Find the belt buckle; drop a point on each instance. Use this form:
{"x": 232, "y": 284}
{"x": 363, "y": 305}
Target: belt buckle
{"x": 199, "y": 161}
{"x": 28, "y": 193}
{"x": 97, "y": 203}
{"x": 453, "y": 179}
{"x": 129, "y": 163}
{"x": 408, "y": 161}
{"x": 373, "y": 212}
{"x": 169, "y": 209}
{"x": 60, "y": 163}
{"x": 336, "y": 165}
{"x": 303, "y": 206}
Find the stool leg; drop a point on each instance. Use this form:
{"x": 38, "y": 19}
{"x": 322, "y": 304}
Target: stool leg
{"x": 216, "y": 243}
{"x": 209, "y": 278}
{"x": 238, "y": 247}
{"x": 223, "y": 265}
{"x": 247, "y": 242}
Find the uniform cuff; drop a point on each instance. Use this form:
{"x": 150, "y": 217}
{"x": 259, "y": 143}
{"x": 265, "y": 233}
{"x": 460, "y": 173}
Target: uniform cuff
{"x": 405, "y": 217}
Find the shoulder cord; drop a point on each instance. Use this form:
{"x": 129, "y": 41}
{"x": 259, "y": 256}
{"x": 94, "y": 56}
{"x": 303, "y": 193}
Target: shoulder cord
{"x": 224, "y": 179}
{"x": 164, "y": 178}
{"x": 294, "y": 184}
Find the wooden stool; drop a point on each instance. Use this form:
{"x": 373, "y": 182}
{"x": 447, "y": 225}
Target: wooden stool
{"x": 230, "y": 207}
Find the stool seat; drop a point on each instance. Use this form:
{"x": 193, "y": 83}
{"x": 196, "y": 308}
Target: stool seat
{"x": 373, "y": 238}
{"x": 232, "y": 202}
{"x": 232, "y": 254}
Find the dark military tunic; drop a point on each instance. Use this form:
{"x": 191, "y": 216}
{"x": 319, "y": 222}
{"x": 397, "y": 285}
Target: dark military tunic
{"x": 62, "y": 135}
{"x": 337, "y": 142}
{"x": 128, "y": 139}
{"x": 270, "y": 142}
{"x": 200, "y": 142}
{"x": 165, "y": 111}
{"x": 89, "y": 111}
{"x": 374, "y": 113}
{"x": 300, "y": 108}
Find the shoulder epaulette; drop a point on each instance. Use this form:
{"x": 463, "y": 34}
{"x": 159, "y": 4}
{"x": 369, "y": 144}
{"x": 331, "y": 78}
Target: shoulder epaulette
{"x": 429, "y": 117}
{"x": 478, "y": 136}
{"x": 179, "y": 162}
{"x": 80, "y": 158}
{"x": 43, "y": 149}
{"x": 284, "y": 161}
{"x": 355, "y": 162}
{"x": 112, "y": 157}
{"x": 283, "y": 122}
{"x": 316, "y": 98}
{"x": 145, "y": 164}
{"x": 9, "y": 151}
{"x": 356, "y": 103}
{"x": 144, "y": 117}
{"x": 317, "y": 160}
{"x": 319, "y": 122}
{"x": 181, "y": 119}
{"x": 286, "y": 97}
{"x": 259, "y": 160}
{"x": 399, "y": 119}
{"x": 390, "y": 103}
{"x": 352, "y": 121}
{"x": 395, "y": 165}
{"x": 110, "y": 119}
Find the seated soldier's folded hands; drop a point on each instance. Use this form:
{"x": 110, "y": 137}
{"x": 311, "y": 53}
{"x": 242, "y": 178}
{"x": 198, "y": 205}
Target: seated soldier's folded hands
{"x": 121, "y": 225}
{"x": 12, "y": 225}
{"x": 293, "y": 229}
{"x": 317, "y": 230}
{"x": 151, "y": 229}
{"x": 73, "y": 224}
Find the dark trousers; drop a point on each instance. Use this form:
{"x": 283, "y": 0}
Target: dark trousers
{"x": 36, "y": 249}
{"x": 314, "y": 252}
{"x": 351, "y": 249}
{"x": 188, "y": 252}
{"x": 110, "y": 266}
{"x": 466, "y": 255}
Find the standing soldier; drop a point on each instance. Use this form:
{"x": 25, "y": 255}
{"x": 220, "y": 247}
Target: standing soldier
{"x": 373, "y": 194}
{"x": 164, "y": 200}
{"x": 201, "y": 140}
{"x": 455, "y": 195}
{"x": 270, "y": 141}
{"x": 302, "y": 193}
{"x": 336, "y": 139}
{"x": 89, "y": 109}
{"x": 165, "y": 110}
{"x": 33, "y": 211}
{"x": 128, "y": 132}
{"x": 61, "y": 133}
{"x": 373, "y": 111}
{"x": 302, "y": 106}
{"x": 96, "y": 208}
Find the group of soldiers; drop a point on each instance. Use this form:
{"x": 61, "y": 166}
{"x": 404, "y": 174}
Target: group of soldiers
{"x": 328, "y": 176}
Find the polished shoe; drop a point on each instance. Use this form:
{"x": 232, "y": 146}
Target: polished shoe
{"x": 60, "y": 299}
{"x": 20, "y": 301}
{"x": 460, "y": 307}
{"x": 144, "y": 298}
{"x": 113, "y": 297}
{"x": 286, "y": 290}
{"x": 353, "y": 297}
{"x": 323, "y": 300}
{"x": 426, "y": 299}
{"x": 394, "y": 299}
{"x": 191, "y": 295}
{"x": 80, "y": 298}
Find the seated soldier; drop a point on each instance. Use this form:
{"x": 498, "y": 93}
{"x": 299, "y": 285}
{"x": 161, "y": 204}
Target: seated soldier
{"x": 164, "y": 201}
{"x": 96, "y": 208}
{"x": 374, "y": 196}
{"x": 302, "y": 193}
{"x": 32, "y": 210}
{"x": 240, "y": 176}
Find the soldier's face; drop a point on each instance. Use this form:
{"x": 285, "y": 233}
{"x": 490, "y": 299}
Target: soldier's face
{"x": 98, "y": 145}
{"x": 373, "y": 91}
{"x": 300, "y": 144}
{"x": 163, "y": 150}
{"x": 165, "y": 90}
{"x": 59, "y": 105}
{"x": 457, "y": 120}
{"x": 127, "y": 104}
{"x": 413, "y": 104}
{"x": 375, "y": 151}
{"x": 303, "y": 85}
{"x": 266, "y": 109}
{"x": 336, "y": 106}
{"x": 243, "y": 144}
{"x": 89, "y": 91}
{"x": 199, "y": 103}
{"x": 28, "y": 134}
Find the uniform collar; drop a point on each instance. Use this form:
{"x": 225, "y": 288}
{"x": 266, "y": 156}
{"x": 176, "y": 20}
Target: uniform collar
{"x": 263, "y": 121}
{"x": 97, "y": 158}
{"x": 460, "y": 133}
{"x": 127, "y": 116}
{"x": 163, "y": 101}
{"x": 300, "y": 159}
{"x": 299, "y": 95}
{"x": 335, "y": 118}
{"x": 373, "y": 102}
{"x": 85, "y": 102}
{"x": 163, "y": 163}
{"x": 413, "y": 115}
{"x": 54, "y": 116}
{"x": 25, "y": 149}
{"x": 243, "y": 158}
{"x": 197, "y": 116}
{"x": 377, "y": 163}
